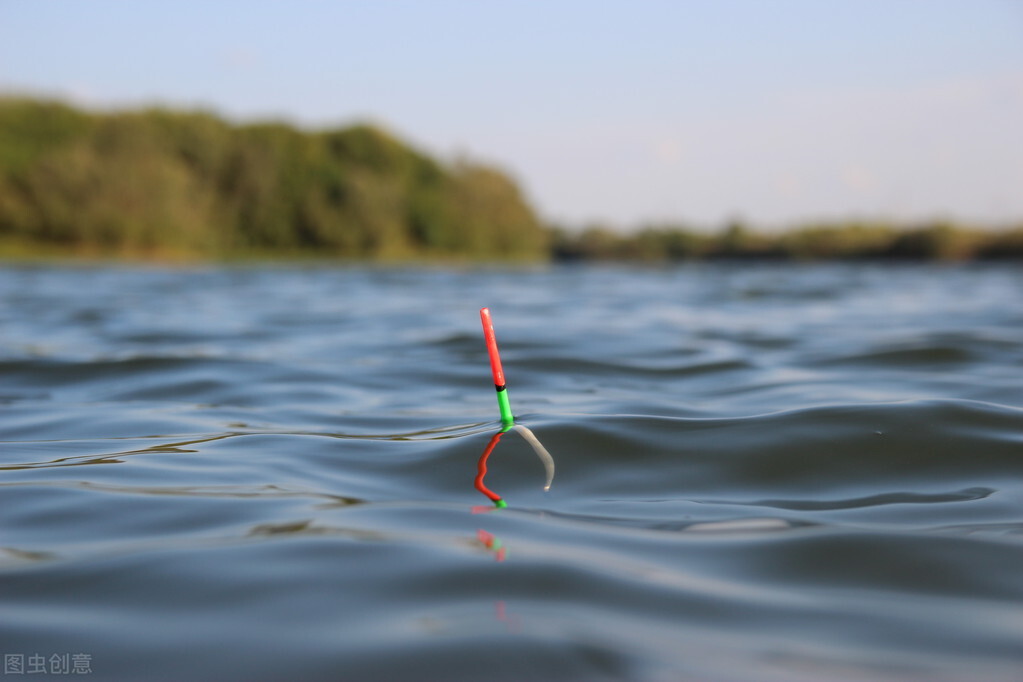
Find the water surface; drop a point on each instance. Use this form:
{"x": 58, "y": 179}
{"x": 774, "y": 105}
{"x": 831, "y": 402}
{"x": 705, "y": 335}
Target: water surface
{"x": 267, "y": 473}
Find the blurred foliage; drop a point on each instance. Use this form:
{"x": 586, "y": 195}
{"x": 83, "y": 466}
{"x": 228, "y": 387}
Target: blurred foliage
{"x": 163, "y": 184}
{"x": 853, "y": 240}
{"x": 168, "y": 184}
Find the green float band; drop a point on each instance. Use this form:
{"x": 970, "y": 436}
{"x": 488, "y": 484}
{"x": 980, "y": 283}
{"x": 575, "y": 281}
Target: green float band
{"x": 507, "y": 420}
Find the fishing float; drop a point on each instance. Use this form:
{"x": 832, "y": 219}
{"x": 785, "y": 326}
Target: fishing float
{"x": 507, "y": 418}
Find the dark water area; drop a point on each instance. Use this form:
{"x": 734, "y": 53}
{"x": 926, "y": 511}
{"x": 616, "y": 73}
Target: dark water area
{"x": 267, "y": 473}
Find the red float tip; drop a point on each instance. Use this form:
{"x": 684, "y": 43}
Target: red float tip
{"x": 495, "y": 358}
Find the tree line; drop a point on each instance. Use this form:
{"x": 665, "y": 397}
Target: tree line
{"x": 849, "y": 240}
{"x": 159, "y": 183}
{"x": 168, "y": 183}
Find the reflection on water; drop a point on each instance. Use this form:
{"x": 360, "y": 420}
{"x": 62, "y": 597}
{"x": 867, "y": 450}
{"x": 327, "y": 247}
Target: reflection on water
{"x": 538, "y": 448}
{"x": 481, "y": 471}
{"x": 763, "y": 473}
{"x": 492, "y": 543}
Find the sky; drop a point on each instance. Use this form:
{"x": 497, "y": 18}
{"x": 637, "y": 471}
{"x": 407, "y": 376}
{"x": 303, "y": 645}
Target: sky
{"x": 692, "y": 112}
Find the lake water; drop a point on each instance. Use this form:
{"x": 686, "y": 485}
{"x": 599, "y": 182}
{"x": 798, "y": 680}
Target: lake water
{"x": 269, "y": 473}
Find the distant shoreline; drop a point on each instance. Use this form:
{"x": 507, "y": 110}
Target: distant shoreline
{"x": 840, "y": 241}
{"x": 158, "y": 185}
{"x": 936, "y": 243}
